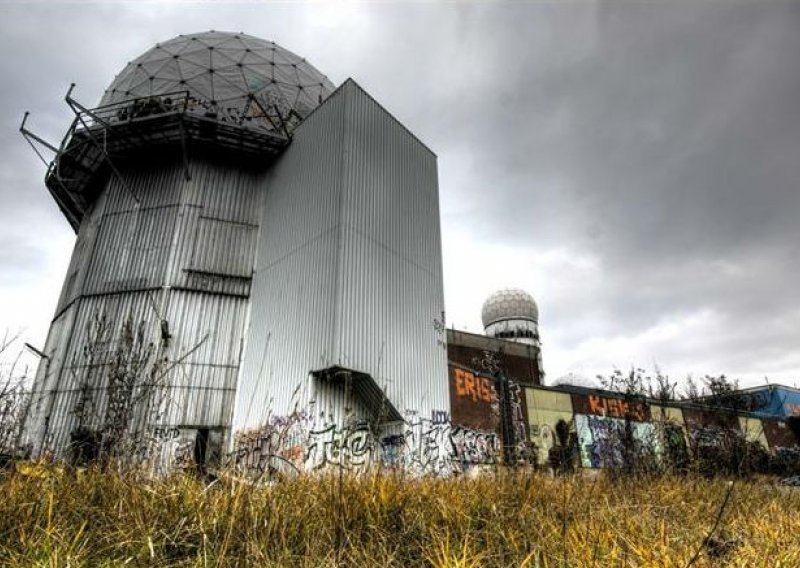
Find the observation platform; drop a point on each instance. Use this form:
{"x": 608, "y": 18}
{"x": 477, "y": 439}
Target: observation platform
{"x": 99, "y": 136}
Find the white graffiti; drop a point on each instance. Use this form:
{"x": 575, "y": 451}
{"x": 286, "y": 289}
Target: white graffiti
{"x": 474, "y": 448}
{"x": 349, "y": 448}
{"x": 421, "y": 447}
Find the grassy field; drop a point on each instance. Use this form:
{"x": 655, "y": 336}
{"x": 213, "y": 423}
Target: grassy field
{"x": 94, "y": 519}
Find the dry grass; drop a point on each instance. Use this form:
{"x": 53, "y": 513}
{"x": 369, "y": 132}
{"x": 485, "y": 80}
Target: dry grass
{"x": 95, "y": 519}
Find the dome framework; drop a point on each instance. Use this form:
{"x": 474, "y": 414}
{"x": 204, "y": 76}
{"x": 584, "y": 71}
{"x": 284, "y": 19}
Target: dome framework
{"x": 240, "y": 78}
{"x": 509, "y": 304}
{"x": 234, "y": 93}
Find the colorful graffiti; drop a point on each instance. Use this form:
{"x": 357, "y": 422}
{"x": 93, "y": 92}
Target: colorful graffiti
{"x": 613, "y": 442}
{"x": 474, "y": 402}
{"x": 468, "y": 384}
{"x": 611, "y": 407}
{"x": 472, "y": 448}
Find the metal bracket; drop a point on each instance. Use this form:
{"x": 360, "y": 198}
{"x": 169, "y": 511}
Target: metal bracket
{"x": 30, "y": 137}
{"x": 79, "y": 111}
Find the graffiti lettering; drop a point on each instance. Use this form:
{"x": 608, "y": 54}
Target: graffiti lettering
{"x": 349, "y": 448}
{"x": 473, "y": 448}
{"x": 424, "y": 447}
{"x": 468, "y": 385}
{"x": 616, "y": 408}
{"x": 166, "y": 433}
{"x": 440, "y": 417}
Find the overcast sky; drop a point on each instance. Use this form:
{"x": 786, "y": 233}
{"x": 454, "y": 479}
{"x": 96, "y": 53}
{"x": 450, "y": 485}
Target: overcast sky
{"x": 633, "y": 165}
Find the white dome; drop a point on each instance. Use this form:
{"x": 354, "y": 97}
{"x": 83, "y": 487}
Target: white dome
{"x": 510, "y": 304}
{"x": 239, "y": 77}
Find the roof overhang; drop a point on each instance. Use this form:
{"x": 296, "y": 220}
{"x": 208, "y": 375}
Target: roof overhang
{"x": 365, "y": 387}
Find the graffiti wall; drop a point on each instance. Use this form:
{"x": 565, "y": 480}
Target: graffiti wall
{"x": 474, "y": 402}
{"x": 419, "y": 446}
{"x": 522, "y": 451}
{"x": 545, "y": 409}
{"x": 589, "y": 429}
{"x": 476, "y": 405}
{"x": 602, "y": 440}
{"x": 707, "y": 427}
{"x": 608, "y": 427}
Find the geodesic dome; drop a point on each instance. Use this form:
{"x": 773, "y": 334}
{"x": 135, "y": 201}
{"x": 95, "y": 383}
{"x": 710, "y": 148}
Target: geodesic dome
{"x": 232, "y": 77}
{"x": 510, "y": 304}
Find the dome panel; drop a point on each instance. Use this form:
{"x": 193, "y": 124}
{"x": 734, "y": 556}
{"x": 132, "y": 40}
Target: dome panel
{"x": 509, "y": 304}
{"x": 223, "y": 66}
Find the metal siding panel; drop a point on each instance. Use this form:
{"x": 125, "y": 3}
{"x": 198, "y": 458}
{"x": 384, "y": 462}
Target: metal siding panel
{"x": 86, "y": 356}
{"x": 47, "y": 376}
{"x": 293, "y": 299}
{"x": 81, "y": 255}
{"x": 224, "y": 247}
{"x": 350, "y": 278}
{"x": 391, "y": 264}
{"x": 150, "y": 246}
{"x": 132, "y": 250}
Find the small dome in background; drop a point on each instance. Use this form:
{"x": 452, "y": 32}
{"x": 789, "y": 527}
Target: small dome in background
{"x": 509, "y": 304}
{"x": 233, "y": 74}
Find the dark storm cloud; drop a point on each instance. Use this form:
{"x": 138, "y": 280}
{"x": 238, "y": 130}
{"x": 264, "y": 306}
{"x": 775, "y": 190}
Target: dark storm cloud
{"x": 665, "y": 141}
{"x": 657, "y": 141}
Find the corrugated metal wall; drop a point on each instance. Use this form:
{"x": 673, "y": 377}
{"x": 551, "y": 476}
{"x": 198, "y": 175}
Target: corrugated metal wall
{"x": 294, "y": 285}
{"x": 179, "y": 262}
{"x": 390, "y": 285}
{"x": 349, "y": 268}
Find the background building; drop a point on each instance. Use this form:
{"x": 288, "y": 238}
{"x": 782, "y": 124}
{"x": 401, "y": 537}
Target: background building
{"x": 488, "y": 375}
{"x": 510, "y": 342}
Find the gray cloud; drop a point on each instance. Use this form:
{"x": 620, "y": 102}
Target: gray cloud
{"x": 650, "y": 148}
